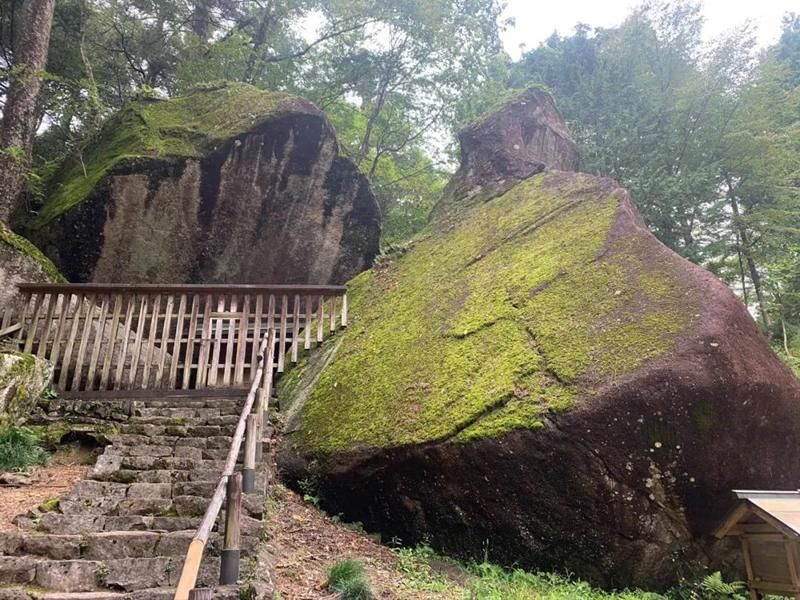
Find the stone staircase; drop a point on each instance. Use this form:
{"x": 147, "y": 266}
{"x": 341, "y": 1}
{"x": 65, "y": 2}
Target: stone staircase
{"x": 123, "y": 532}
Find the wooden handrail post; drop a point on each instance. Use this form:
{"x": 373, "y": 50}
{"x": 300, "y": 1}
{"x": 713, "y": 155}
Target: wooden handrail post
{"x": 344, "y": 310}
{"x": 201, "y": 594}
{"x": 249, "y": 470}
{"x": 231, "y": 552}
{"x": 259, "y": 412}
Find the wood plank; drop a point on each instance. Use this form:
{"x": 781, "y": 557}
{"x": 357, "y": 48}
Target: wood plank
{"x": 164, "y": 342}
{"x": 36, "y": 316}
{"x": 332, "y": 301}
{"x": 63, "y": 311}
{"x": 307, "y": 323}
{"x": 241, "y": 349}
{"x": 215, "y": 352}
{"x": 26, "y": 301}
{"x": 8, "y": 330}
{"x": 126, "y": 331}
{"x": 63, "y": 376}
{"x": 344, "y": 310}
{"x": 283, "y": 327}
{"x": 271, "y": 312}
{"x": 98, "y": 343}
{"x": 47, "y": 326}
{"x": 191, "y": 343}
{"x": 256, "y": 335}
{"x": 205, "y": 344}
{"x": 229, "y": 342}
{"x": 138, "y": 339}
{"x": 112, "y": 342}
{"x": 320, "y": 318}
{"x": 7, "y": 312}
{"x": 86, "y": 327}
{"x": 295, "y": 327}
{"x": 172, "y": 382}
{"x": 151, "y": 341}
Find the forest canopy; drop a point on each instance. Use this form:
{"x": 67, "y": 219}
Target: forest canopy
{"x": 705, "y": 135}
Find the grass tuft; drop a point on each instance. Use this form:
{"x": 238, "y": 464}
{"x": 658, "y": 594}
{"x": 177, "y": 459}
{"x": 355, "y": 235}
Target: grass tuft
{"x": 20, "y": 449}
{"x": 347, "y": 578}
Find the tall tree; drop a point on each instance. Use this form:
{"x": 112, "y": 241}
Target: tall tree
{"x": 19, "y": 113}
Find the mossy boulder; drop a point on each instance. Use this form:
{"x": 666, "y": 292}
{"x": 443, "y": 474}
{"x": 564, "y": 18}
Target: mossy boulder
{"x": 541, "y": 381}
{"x": 227, "y": 183}
{"x": 21, "y": 262}
{"x": 23, "y": 380}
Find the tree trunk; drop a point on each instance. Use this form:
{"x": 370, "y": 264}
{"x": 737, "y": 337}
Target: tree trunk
{"x": 755, "y": 276}
{"x": 19, "y": 118}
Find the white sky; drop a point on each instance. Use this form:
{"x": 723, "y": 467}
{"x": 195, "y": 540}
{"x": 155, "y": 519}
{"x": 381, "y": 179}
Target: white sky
{"x": 535, "y": 20}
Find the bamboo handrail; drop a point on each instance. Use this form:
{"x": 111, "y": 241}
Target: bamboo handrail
{"x": 171, "y": 288}
{"x": 194, "y": 556}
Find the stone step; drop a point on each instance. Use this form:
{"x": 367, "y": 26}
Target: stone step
{"x": 123, "y": 574}
{"x": 81, "y": 524}
{"x": 106, "y": 545}
{"x": 186, "y": 421}
{"x": 230, "y": 592}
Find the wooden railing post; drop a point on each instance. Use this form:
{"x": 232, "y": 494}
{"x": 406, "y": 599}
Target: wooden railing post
{"x": 229, "y": 566}
{"x": 259, "y": 412}
{"x": 249, "y": 470}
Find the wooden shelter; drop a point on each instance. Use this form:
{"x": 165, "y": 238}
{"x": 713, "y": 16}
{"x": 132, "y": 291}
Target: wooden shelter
{"x": 768, "y": 527}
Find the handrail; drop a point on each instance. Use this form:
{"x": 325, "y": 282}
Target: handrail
{"x": 171, "y": 288}
{"x": 194, "y": 556}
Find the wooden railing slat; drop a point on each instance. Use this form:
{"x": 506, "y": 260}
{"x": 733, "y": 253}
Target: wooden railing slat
{"x": 283, "y": 326}
{"x": 295, "y": 327}
{"x": 98, "y": 343}
{"x": 151, "y": 342}
{"x": 63, "y": 377}
{"x": 191, "y": 340}
{"x": 62, "y": 324}
{"x": 26, "y": 301}
{"x": 229, "y": 342}
{"x": 241, "y": 349}
{"x": 35, "y": 316}
{"x": 164, "y": 342}
{"x": 256, "y": 334}
{"x": 320, "y": 318}
{"x": 123, "y": 356}
{"x": 217, "y": 341}
{"x": 205, "y": 344}
{"x": 332, "y": 301}
{"x": 112, "y": 341}
{"x": 176, "y": 344}
{"x": 84, "y": 341}
{"x": 307, "y": 323}
{"x": 41, "y": 350}
{"x": 137, "y": 344}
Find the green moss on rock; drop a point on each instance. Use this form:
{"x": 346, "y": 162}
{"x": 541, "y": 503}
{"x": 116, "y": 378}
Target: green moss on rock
{"x": 19, "y": 243}
{"x": 522, "y": 307}
{"x": 181, "y": 127}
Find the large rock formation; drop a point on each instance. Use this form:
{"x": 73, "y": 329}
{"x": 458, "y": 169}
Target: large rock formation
{"x": 21, "y": 262}
{"x": 225, "y": 184}
{"x": 23, "y": 380}
{"x": 541, "y": 379}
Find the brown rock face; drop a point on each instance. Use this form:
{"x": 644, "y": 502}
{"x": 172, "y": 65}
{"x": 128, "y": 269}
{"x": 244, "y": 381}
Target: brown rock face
{"x": 524, "y": 137}
{"x": 538, "y": 379}
{"x": 269, "y": 202}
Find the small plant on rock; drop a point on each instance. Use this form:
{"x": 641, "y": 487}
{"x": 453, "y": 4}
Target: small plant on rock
{"x": 347, "y": 578}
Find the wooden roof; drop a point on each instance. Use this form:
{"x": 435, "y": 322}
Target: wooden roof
{"x": 781, "y": 509}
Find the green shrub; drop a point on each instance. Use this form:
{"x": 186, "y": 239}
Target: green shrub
{"x": 711, "y": 587}
{"x": 347, "y": 578}
{"x": 20, "y": 449}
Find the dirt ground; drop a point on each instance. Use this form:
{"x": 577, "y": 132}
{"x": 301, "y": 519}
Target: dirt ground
{"x": 67, "y": 465}
{"x": 306, "y": 543}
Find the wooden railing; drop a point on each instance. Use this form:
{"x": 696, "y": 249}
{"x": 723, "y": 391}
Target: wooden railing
{"x": 103, "y": 337}
{"x": 230, "y": 485}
